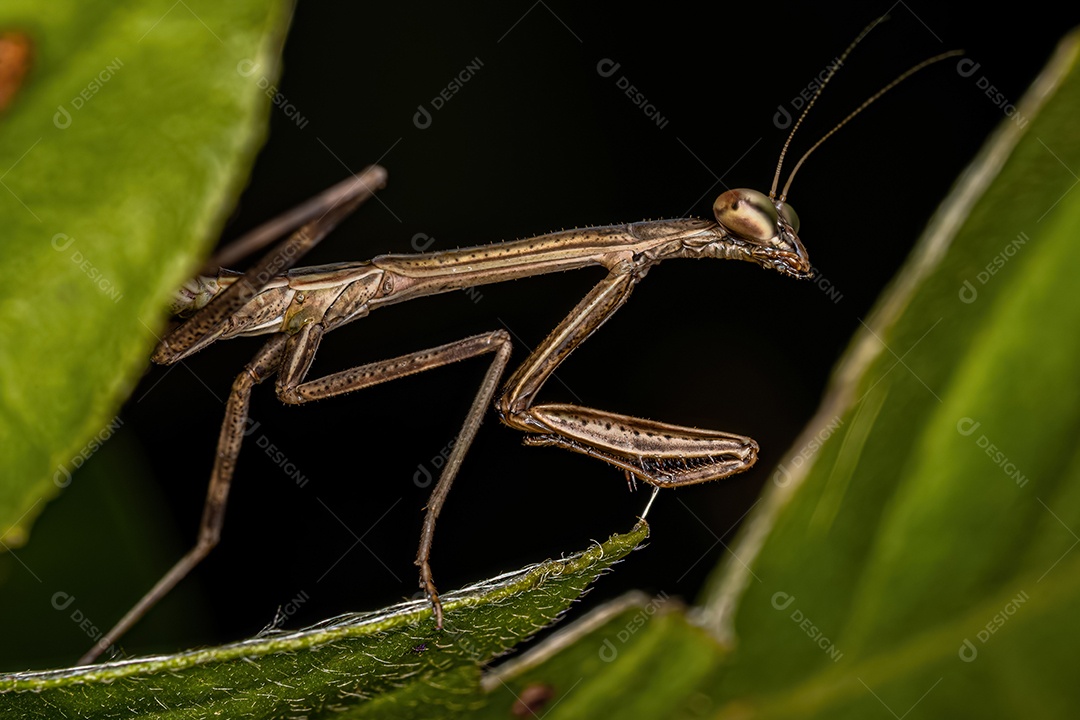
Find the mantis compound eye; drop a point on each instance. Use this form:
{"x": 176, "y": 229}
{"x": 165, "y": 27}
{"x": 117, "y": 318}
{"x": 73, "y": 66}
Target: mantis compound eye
{"x": 748, "y": 213}
{"x": 790, "y": 216}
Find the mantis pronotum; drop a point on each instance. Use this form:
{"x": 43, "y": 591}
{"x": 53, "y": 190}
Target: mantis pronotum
{"x": 298, "y": 306}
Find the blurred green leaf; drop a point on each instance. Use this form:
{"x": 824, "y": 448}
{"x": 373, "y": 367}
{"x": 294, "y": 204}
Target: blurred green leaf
{"x": 120, "y": 158}
{"x": 52, "y": 606}
{"x": 637, "y": 657}
{"x": 391, "y": 662}
{"x": 924, "y": 555}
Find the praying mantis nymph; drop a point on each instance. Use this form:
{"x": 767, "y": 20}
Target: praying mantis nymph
{"x": 297, "y": 307}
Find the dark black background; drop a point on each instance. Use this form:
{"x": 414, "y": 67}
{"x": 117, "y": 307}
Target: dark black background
{"x": 537, "y": 141}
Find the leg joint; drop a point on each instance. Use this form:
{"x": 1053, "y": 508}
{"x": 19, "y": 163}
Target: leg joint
{"x": 289, "y": 395}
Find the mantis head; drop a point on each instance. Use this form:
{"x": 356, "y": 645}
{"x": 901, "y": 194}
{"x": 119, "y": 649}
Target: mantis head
{"x": 765, "y": 230}
{"x": 762, "y": 228}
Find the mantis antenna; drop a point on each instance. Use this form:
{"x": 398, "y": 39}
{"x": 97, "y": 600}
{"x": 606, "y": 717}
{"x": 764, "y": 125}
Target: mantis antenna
{"x": 899, "y": 79}
{"x": 813, "y": 99}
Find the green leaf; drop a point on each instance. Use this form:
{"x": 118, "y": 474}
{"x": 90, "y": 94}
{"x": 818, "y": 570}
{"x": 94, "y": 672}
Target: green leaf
{"x": 637, "y": 657}
{"x": 46, "y": 588}
{"x": 120, "y": 158}
{"x": 388, "y": 662}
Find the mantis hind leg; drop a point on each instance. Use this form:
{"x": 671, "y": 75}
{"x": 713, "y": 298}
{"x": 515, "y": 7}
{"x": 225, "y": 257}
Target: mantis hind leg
{"x": 319, "y": 215}
{"x": 293, "y": 389}
{"x": 264, "y": 365}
